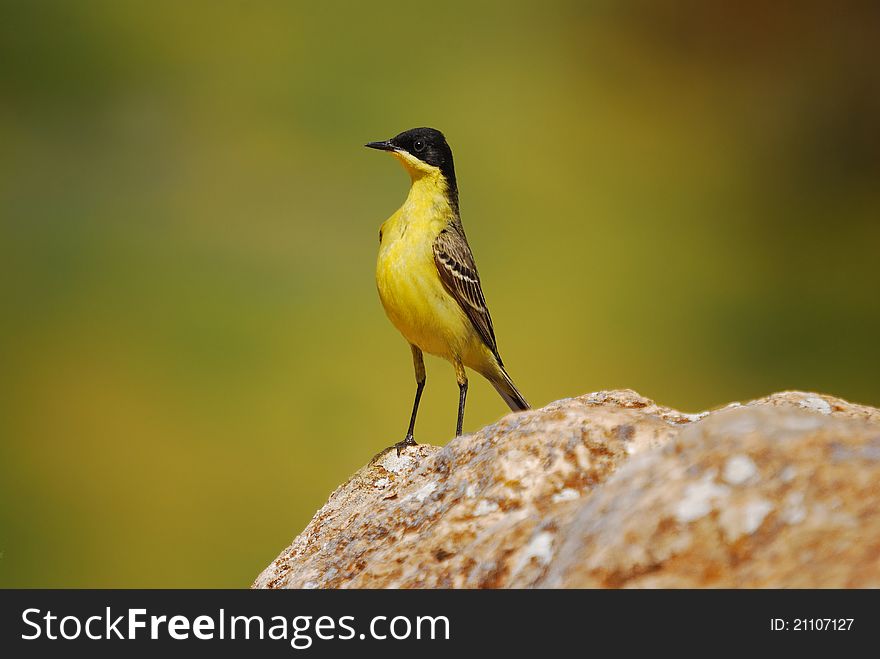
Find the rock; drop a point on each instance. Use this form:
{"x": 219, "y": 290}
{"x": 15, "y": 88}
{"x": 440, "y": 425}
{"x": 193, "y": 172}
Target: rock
{"x": 749, "y": 497}
{"x": 612, "y": 490}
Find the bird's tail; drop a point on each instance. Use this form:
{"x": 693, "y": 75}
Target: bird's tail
{"x": 504, "y": 386}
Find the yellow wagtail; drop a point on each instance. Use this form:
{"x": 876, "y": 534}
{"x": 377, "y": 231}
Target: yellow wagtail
{"x": 427, "y": 277}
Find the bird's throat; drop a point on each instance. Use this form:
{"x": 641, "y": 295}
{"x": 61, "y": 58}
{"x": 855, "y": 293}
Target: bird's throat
{"x": 429, "y": 199}
{"x": 429, "y": 185}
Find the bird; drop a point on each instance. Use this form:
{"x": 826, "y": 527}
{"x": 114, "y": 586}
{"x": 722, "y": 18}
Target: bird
{"x": 427, "y": 278}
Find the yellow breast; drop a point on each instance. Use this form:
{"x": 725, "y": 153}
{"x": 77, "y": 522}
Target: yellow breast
{"x": 414, "y": 298}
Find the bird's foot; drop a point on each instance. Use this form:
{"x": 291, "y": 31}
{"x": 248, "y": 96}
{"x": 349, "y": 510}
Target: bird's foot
{"x": 407, "y": 441}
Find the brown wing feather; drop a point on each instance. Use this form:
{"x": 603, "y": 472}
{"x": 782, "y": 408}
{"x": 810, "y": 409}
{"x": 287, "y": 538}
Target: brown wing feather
{"x": 458, "y": 272}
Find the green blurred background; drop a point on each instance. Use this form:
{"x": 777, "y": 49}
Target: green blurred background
{"x": 680, "y": 198}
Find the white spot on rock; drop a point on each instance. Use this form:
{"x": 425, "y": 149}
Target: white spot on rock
{"x": 754, "y": 512}
{"x": 484, "y": 507}
{"x": 794, "y": 511}
{"x": 540, "y": 548}
{"x": 815, "y": 404}
{"x": 381, "y": 483}
{"x": 568, "y": 494}
{"x": 425, "y": 491}
{"x": 396, "y": 463}
{"x": 788, "y": 474}
{"x": 471, "y": 491}
{"x": 583, "y": 457}
{"x": 738, "y": 469}
{"x": 744, "y": 519}
{"x": 694, "y": 417}
{"x": 699, "y": 498}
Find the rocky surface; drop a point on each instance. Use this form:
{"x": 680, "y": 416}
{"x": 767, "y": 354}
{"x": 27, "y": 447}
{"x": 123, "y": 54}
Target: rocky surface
{"x": 612, "y": 490}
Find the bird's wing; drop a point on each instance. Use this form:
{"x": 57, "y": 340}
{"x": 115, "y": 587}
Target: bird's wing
{"x": 458, "y": 272}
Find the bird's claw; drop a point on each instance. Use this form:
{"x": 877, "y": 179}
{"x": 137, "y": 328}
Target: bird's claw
{"x": 407, "y": 441}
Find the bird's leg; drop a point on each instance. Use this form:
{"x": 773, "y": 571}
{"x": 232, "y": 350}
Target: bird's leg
{"x": 461, "y": 376}
{"x": 419, "y": 365}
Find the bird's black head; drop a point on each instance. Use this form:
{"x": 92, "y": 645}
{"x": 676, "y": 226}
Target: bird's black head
{"x": 426, "y": 145}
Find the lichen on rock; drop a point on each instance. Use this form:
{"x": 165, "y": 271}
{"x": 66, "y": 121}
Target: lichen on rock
{"x": 609, "y": 490}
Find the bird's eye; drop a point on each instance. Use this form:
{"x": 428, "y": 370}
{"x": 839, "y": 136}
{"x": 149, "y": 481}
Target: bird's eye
{"x": 418, "y": 145}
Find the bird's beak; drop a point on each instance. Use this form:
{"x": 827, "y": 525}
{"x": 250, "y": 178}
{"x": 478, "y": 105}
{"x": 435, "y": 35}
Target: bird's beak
{"x": 382, "y": 146}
